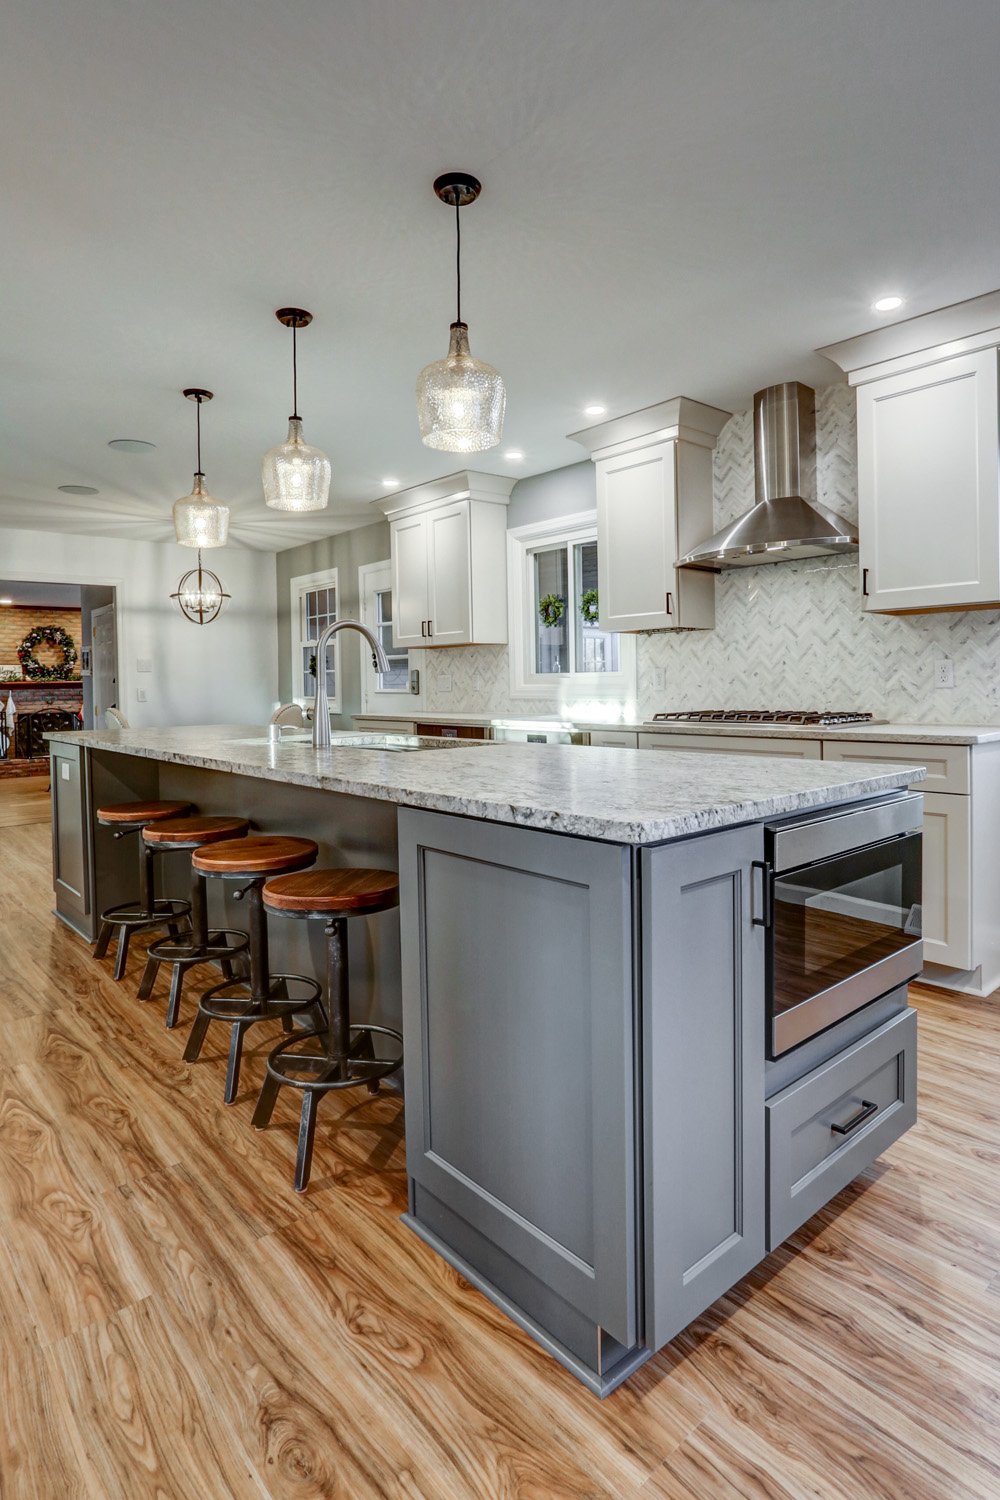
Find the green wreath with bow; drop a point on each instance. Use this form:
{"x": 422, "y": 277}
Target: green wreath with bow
{"x": 47, "y": 635}
{"x": 589, "y": 607}
{"x": 551, "y": 609}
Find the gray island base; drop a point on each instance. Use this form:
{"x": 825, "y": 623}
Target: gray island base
{"x": 594, "y": 1136}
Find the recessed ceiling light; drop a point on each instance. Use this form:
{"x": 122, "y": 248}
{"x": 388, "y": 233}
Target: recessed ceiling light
{"x": 595, "y": 409}
{"x": 390, "y": 484}
{"x": 887, "y": 304}
{"x": 513, "y": 455}
{"x": 130, "y": 445}
{"x": 78, "y": 489}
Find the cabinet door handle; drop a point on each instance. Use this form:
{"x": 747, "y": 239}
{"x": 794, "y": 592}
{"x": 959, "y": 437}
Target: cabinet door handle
{"x": 868, "y": 1108}
{"x": 864, "y": 583}
{"x": 430, "y": 628}
{"x": 670, "y": 603}
{"x": 423, "y": 628}
{"x": 767, "y": 916}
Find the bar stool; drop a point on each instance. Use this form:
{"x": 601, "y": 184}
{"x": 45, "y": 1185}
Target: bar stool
{"x": 338, "y": 1056}
{"x": 220, "y": 945}
{"x": 146, "y": 910}
{"x": 252, "y": 860}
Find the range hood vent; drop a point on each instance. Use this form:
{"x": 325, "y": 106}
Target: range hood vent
{"x": 787, "y": 521}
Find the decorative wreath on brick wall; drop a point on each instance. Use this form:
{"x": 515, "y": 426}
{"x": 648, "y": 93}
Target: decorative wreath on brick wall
{"x": 48, "y": 635}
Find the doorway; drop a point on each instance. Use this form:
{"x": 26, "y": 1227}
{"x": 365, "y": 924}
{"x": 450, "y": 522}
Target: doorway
{"x": 103, "y": 663}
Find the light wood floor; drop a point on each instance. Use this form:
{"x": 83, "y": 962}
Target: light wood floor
{"x": 175, "y": 1323}
{"x": 24, "y": 799}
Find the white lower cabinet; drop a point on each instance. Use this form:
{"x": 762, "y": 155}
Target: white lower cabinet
{"x": 947, "y": 912}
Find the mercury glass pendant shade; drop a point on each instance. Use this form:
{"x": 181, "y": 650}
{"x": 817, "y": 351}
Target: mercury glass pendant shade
{"x": 199, "y": 520}
{"x": 460, "y": 399}
{"x": 295, "y": 476}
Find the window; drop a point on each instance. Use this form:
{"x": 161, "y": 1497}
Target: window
{"x": 557, "y": 649}
{"x": 314, "y": 607}
{"x": 385, "y": 692}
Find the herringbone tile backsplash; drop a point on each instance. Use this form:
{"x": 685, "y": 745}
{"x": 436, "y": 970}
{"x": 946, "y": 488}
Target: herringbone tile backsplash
{"x": 788, "y": 635}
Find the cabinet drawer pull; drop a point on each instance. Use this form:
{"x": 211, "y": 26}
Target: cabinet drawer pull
{"x": 430, "y": 628}
{"x": 670, "y": 603}
{"x": 423, "y": 628}
{"x": 864, "y": 583}
{"x": 868, "y": 1108}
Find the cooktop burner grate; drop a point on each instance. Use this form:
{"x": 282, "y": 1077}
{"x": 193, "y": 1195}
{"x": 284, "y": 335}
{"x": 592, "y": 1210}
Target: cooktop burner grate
{"x": 761, "y": 716}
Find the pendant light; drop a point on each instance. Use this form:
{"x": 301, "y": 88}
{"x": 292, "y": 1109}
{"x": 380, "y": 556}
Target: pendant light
{"x": 200, "y": 595}
{"x": 460, "y": 400}
{"x": 199, "y": 520}
{"x": 296, "y": 477}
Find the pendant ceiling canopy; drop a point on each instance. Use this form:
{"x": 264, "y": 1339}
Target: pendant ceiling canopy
{"x": 295, "y": 476}
{"x": 460, "y": 399}
{"x": 200, "y": 520}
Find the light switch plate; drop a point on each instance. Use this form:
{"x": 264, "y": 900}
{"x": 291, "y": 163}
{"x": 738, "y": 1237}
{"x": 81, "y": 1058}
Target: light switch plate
{"x": 140, "y": 695}
{"x": 144, "y": 664}
{"x": 64, "y": 771}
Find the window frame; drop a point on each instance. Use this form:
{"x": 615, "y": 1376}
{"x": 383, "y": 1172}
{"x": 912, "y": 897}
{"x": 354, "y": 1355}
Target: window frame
{"x": 376, "y": 578}
{"x": 525, "y": 681}
{"x": 299, "y": 586}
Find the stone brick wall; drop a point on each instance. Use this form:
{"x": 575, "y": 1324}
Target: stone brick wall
{"x": 15, "y": 622}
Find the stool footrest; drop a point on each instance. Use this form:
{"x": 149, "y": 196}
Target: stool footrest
{"x": 167, "y": 951}
{"x": 308, "y": 1054}
{"x": 219, "y": 1006}
{"x": 131, "y": 914}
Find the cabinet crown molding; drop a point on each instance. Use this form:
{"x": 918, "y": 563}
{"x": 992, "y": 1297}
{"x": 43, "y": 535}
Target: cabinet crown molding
{"x": 961, "y": 328}
{"x": 466, "y": 484}
{"x": 680, "y": 417}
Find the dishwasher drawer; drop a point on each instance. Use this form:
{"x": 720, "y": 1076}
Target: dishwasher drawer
{"x": 827, "y": 1127}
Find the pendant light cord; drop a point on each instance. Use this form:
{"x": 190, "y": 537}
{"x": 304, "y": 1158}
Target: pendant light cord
{"x": 197, "y": 403}
{"x": 295, "y": 376}
{"x": 458, "y": 256}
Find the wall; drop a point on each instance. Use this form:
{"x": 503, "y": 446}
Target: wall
{"x": 346, "y": 552}
{"x": 17, "y": 620}
{"x": 788, "y": 635}
{"x": 226, "y": 672}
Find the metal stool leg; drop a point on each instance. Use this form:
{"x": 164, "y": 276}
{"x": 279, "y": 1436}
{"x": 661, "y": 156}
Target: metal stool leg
{"x": 148, "y": 978}
{"x": 174, "y": 1003}
{"x": 265, "y": 1103}
{"x": 103, "y": 939}
{"x": 338, "y": 1004}
{"x": 235, "y": 1058}
{"x": 307, "y": 1134}
{"x": 121, "y": 957}
{"x": 196, "y": 1037}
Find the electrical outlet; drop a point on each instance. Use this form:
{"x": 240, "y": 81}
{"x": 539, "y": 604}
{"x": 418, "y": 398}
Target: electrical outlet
{"x": 444, "y": 683}
{"x": 944, "y": 673}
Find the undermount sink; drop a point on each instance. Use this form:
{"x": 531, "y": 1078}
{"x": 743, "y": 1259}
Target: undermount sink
{"x": 345, "y": 739}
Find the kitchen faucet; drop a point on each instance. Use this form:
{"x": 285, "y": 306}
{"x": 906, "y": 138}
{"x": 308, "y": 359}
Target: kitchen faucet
{"x": 321, "y": 704}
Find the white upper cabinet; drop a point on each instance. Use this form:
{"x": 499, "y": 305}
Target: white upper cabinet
{"x": 449, "y": 561}
{"x": 928, "y": 467}
{"x": 654, "y": 503}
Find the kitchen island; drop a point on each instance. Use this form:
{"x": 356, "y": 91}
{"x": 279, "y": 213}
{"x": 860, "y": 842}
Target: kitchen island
{"x": 595, "y": 1135}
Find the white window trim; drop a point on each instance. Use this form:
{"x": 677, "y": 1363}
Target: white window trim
{"x": 325, "y": 578}
{"x": 569, "y": 687}
{"x": 374, "y": 700}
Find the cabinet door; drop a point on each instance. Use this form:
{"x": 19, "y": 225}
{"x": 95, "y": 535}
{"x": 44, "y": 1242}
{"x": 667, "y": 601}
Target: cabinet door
{"x": 928, "y": 486}
{"x": 703, "y": 1074}
{"x": 72, "y": 852}
{"x": 637, "y": 539}
{"x": 947, "y": 871}
{"x": 410, "y": 602}
{"x": 450, "y": 574}
{"x": 732, "y": 744}
{"x": 519, "y": 1015}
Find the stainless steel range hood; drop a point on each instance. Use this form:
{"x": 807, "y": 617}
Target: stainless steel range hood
{"x": 787, "y": 521}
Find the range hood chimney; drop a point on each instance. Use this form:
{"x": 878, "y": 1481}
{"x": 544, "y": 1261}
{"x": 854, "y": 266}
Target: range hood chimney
{"x": 787, "y": 521}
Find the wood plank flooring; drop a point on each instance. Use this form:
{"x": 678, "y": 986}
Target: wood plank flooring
{"x": 176, "y": 1323}
{"x": 24, "y": 800}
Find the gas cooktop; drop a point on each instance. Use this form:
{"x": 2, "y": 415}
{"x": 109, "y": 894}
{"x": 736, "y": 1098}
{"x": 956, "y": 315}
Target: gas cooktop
{"x": 761, "y": 716}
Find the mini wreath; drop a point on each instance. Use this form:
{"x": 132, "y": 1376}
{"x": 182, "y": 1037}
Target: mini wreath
{"x": 551, "y": 609}
{"x": 47, "y": 635}
{"x": 589, "y": 607}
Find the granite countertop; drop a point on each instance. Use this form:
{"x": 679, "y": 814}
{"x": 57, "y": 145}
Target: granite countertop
{"x": 622, "y": 796}
{"x": 892, "y": 733}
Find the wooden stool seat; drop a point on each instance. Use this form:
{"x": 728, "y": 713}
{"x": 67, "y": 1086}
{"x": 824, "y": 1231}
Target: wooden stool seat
{"x": 261, "y": 854}
{"x": 322, "y": 891}
{"x": 194, "y": 831}
{"x": 141, "y": 812}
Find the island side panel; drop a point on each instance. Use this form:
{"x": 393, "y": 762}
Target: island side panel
{"x": 519, "y": 1019}
{"x": 703, "y": 1074}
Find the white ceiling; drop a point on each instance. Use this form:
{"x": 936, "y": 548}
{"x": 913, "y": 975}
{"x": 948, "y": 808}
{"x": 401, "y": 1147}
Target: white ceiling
{"x": 680, "y": 196}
